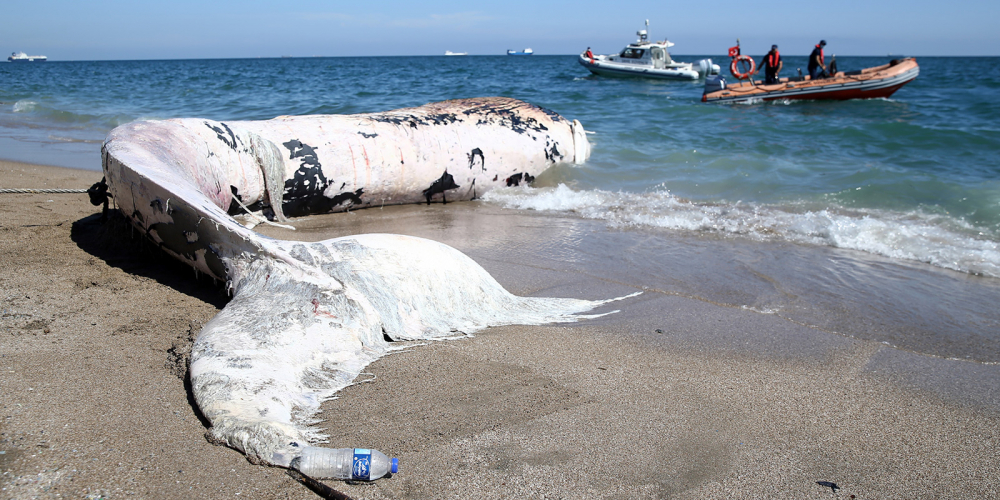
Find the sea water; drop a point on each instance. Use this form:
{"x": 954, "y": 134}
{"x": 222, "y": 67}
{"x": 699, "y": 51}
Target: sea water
{"x": 877, "y": 219}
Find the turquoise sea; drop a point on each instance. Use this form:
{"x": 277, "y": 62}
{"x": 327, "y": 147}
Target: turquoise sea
{"x": 874, "y": 218}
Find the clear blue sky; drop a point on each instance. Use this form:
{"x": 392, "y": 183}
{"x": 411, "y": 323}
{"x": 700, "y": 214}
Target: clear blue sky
{"x": 183, "y": 29}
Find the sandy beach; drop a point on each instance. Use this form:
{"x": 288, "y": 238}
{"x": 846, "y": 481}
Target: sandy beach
{"x": 671, "y": 397}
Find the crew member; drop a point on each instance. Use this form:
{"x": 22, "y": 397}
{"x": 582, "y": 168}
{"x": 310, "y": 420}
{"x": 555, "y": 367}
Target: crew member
{"x": 772, "y": 65}
{"x": 588, "y": 54}
{"x": 816, "y": 65}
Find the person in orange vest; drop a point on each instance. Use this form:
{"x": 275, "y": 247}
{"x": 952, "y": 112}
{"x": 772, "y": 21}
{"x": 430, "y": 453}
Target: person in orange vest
{"x": 588, "y": 54}
{"x": 772, "y": 65}
{"x": 816, "y": 66}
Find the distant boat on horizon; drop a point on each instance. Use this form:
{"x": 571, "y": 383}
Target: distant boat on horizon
{"x": 525, "y": 52}
{"x": 22, "y": 57}
{"x": 450, "y": 53}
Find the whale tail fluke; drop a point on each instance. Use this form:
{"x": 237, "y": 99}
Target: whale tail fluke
{"x": 333, "y": 307}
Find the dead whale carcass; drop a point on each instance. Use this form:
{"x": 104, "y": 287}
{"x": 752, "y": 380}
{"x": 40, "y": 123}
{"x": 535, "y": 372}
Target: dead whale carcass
{"x": 303, "y": 165}
{"x": 305, "y": 318}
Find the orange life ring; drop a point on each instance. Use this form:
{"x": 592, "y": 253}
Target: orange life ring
{"x": 733, "y": 68}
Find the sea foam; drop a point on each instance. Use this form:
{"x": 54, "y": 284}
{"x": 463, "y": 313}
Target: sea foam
{"x": 934, "y": 239}
{"x": 24, "y": 106}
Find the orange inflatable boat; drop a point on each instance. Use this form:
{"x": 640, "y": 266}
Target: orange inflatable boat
{"x": 868, "y": 83}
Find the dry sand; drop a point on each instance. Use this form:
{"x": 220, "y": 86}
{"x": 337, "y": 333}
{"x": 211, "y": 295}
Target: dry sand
{"x": 670, "y": 398}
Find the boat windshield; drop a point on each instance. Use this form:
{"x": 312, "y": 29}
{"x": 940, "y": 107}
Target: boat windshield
{"x": 630, "y": 53}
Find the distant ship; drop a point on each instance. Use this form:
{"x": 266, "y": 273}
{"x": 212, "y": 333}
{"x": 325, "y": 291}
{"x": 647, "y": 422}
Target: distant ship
{"x": 22, "y": 57}
{"x": 450, "y": 53}
{"x": 525, "y": 52}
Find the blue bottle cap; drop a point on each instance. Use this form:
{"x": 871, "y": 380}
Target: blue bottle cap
{"x": 395, "y": 465}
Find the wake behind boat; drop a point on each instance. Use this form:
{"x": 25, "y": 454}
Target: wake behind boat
{"x": 868, "y": 83}
{"x": 645, "y": 58}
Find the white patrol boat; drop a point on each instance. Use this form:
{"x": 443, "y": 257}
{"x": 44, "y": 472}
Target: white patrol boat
{"x": 647, "y": 59}
{"x": 22, "y": 57}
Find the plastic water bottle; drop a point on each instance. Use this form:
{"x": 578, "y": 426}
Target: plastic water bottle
{"x": 359, "y": 464}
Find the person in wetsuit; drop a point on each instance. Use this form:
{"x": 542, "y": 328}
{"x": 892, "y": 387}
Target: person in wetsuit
{"x": 816, "y": 66}
{"x": 772, "y": 65}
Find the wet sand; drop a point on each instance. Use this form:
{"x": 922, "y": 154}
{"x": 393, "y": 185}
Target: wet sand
{"x": 672, "y": 397}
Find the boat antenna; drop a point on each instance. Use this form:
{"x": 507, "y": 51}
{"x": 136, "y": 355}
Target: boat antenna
{"x": 644, "y": 34}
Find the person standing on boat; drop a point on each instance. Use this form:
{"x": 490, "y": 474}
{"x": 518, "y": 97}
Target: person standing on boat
{"x": 816, "y": 66}
{"x": 772, "y": 65}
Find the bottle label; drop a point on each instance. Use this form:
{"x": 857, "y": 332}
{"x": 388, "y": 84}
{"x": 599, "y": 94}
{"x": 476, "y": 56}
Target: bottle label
{"x": 361, "y": 467}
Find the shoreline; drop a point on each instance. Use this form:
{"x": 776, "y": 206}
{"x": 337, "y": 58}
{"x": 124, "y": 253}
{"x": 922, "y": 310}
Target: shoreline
{"x": 673, "y": 396}
{"x": 71, "y": 155}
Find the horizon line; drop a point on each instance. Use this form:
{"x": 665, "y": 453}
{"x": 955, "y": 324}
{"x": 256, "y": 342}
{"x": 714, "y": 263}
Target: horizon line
{"x": 444, "y": 55}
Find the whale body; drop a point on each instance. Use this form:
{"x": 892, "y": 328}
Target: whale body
{"x": 306, "y": 318}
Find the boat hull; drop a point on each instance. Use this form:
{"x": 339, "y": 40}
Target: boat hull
{"x": 870, "y": 83}
{"x": 604, "y": 68}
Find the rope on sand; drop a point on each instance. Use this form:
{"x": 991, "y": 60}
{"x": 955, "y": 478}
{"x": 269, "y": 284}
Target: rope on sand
{"x": 98, "y": 194}
{"x": 28, "y": 191}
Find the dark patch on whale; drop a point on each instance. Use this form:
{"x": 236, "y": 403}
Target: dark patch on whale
{"x": 413, "y": 120}
{"x": 347, "y": 196}
{"x": 303, "y": 193}
{"x": 234, "y": 206}
{"x": 444, "y": 183}
{"x": 517, "y": 179}
{"x": 472, "y": 159}
{"x": 552, "y": 151}
{"x": 176, "y": 236}
{"x": 501, "y": 115}
{"x": 229, "y": 140}
{"x": 320, "y": 204}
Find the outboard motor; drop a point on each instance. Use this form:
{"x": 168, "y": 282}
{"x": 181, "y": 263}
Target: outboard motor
{"x": 702, "y": 67}
{"x": 714, "y": 83}
{"x": 706, "y": 68}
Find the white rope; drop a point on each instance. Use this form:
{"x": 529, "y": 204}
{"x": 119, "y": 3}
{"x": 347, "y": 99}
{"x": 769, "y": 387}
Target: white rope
{"x": 258, "y": 218}
{"x": 29, "y": 191}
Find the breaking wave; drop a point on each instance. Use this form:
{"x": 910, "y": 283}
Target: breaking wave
{"x": 24, "y": 106}
{"x": 934, "y": 239}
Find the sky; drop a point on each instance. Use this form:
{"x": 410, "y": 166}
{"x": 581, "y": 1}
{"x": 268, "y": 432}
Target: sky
{"x": 183, "y": 29}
